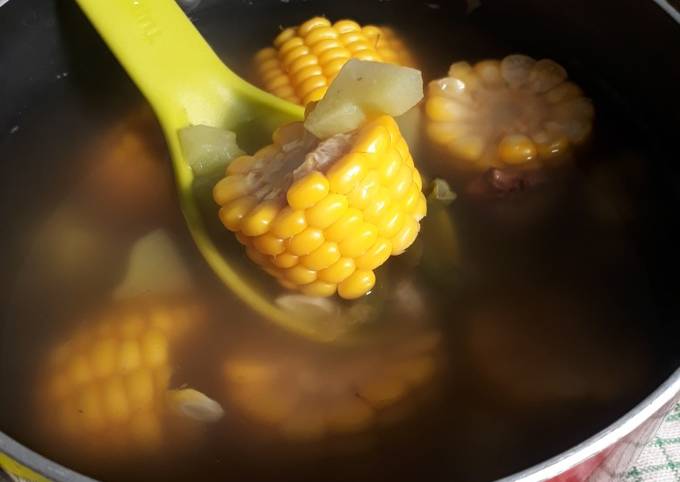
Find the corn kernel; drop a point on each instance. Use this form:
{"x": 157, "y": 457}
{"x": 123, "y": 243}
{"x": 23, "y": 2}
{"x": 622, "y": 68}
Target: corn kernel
{"x": 391, "y": 221}
{"x": 233, "y": 213}
{"x": 376, "y": 255}
{"x": 257, "y": 221}
{"x": 322, "y": 257}
{"x": 300, "y": 275}
{"x": 130, "y": 357}
{"x": 346, "y": 173}
{"x": 327, "y": 211}
{"x": 339, "y": 271}
{"x": 288, "y": 223}
{"x": 347, "y": 224}
{"x": 306, "y": 192}
{"x": 269, "y": 244}
{"x": 305, "y": 59}
{"x": 516, "y": 149}
{"x": 285, "y": 260}
{"x": 405, "y": 236}
{"x": 359, "y": 241}
{"x": 319, "y": 288}
{"x": 357, "y": 284}
{"x": 306, "y": 242}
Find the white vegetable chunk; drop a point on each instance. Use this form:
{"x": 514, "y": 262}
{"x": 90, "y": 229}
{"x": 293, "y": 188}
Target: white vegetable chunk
{"x": 207, "y": 149}
{"x": 363, "y": 89}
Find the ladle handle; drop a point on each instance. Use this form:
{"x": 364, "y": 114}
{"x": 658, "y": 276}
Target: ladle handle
{"x": 168, "y": 59}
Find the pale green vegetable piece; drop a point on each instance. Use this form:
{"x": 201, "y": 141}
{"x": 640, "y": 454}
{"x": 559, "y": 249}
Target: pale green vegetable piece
{"x": 195, "y": 405}
{"x": 363, "y": 89}
{"x": 208, "y": 150}
{"x": 154, "y": 266}
{"x": 441, "y": 192}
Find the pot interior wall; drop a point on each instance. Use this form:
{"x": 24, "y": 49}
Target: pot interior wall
{"x": 61, "y": 90}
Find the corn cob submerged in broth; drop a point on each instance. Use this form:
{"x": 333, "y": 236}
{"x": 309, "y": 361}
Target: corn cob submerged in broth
{"x": 305, "y": 59}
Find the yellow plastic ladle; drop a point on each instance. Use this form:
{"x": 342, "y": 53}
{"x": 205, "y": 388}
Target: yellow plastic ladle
{"x": 187, "y": 84}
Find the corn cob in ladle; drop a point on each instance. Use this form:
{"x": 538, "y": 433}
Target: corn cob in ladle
{"x": 188, "y": 85}
{"x": 321, "y": 212}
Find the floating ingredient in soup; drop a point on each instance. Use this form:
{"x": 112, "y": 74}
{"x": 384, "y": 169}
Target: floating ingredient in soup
{"x": 517, "y": 113}
{"x": 207, "y": 149}
{"x": 306, "y": 59}
{"x": 311, "y": 392}
{"x": 361, "y": 91}
{"x": 127, "y": 174}
{"x": 155, "y": 266}
{"x": 321, "y": 215}
{"x": 104, "y": 392}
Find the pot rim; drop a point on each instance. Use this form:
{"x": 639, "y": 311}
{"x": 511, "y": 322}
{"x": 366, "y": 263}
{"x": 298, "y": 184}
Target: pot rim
{"x": 623, "y": 426}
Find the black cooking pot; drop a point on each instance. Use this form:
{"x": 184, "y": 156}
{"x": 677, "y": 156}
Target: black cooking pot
{"x": 60, "y": 88}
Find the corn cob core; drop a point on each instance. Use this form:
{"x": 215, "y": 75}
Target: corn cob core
{"x": 307, "y": 396}
{"x": 320, "y": 216}
{"x": 517, "y": 112}
{"x": 305, "y": 59}
{"x": 104, "y": 388}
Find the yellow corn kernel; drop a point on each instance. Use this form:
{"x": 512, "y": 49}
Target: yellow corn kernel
{"x": 269, "y": 244}
{"x": 285, "y": 260}
{"x": 256, "y": 257}
{"x": 357, "y": 284}
{"x": 359, "y": 241}
{"x": 305, "y": 242}
{"x": 516, "y": 149}
{"x": 306, "y": 192}
{"x": 376, "y": 255}
{"x": 343, "y": 227}
{"x": 229, "y": 188}
{"x": 389, "y": 166}
{"x": 130, "y": 357}
{"x": 378, "y": 205}
{"x": 288, "y": 223}
{"x": 154, "y": 346}
{"x": 319, "y": 288}
{"x": 405, "y": 237}
{"x": 327, "y": 211}
{"x": 104, "y": 358}
{"x": 339, "y": 271}
{"x": 233, "y": 213}
{"x": 257, "y": 221}
{"x": 391, "y": 221}
{"x": 362, "y": 194}
{"x": 347, "y": 172}
{"x": 300, "y": 275}
{"x": 305, "y": 59}
{"x": 322, "y": 257}
{"x": 375, "y": 140}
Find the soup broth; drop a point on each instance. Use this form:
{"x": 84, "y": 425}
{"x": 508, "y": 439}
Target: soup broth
{"x": 514, "y": 328}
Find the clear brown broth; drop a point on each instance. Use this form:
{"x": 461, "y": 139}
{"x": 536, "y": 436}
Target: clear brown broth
{"x": 537, "y": 323}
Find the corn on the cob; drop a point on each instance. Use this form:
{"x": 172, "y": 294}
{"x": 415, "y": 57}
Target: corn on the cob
{"x": 307, "y": 395}
{"x": 320, "y": 216}
{"x": 305, "y": 59}
{"x": 518, "y": 113}
{"x": 104, "y": 389}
